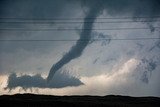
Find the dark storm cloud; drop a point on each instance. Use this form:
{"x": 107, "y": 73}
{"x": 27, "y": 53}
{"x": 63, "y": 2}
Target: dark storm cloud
{"x": 131, "y": 7}
{"x": 32, "y": 11}
{"x": 26, "y": 81}
{"x": 32, "y": 8}
{"x": 147, "y": 67}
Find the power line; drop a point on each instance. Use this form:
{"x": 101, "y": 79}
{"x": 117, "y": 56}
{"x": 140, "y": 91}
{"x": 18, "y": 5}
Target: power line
{"x": 72, "y": 22}
{"x": 90, "y": 18}
{"x": 70, "y": 29}
{"x": 84, "y": 40}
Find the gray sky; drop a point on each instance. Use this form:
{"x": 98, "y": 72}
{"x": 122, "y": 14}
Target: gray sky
{"x": 116, "y": 63}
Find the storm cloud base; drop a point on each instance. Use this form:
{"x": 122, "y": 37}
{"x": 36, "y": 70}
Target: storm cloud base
{"x": 26, "y": 81}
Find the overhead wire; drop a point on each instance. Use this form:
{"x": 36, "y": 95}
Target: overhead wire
{"x": 63, "y": 21}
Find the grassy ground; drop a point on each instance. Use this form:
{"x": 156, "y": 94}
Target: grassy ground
{"x": 31, "y": 100}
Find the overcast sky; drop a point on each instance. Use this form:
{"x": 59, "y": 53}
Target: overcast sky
{"x": 84, "y": 44}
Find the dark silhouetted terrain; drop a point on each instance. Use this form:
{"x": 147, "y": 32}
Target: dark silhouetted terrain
{"x": 31, "y": 100}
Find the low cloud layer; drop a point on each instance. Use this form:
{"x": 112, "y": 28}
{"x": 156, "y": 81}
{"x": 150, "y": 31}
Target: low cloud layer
{"x": 60, "y": 80}
{"x": 123, "y": 80}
